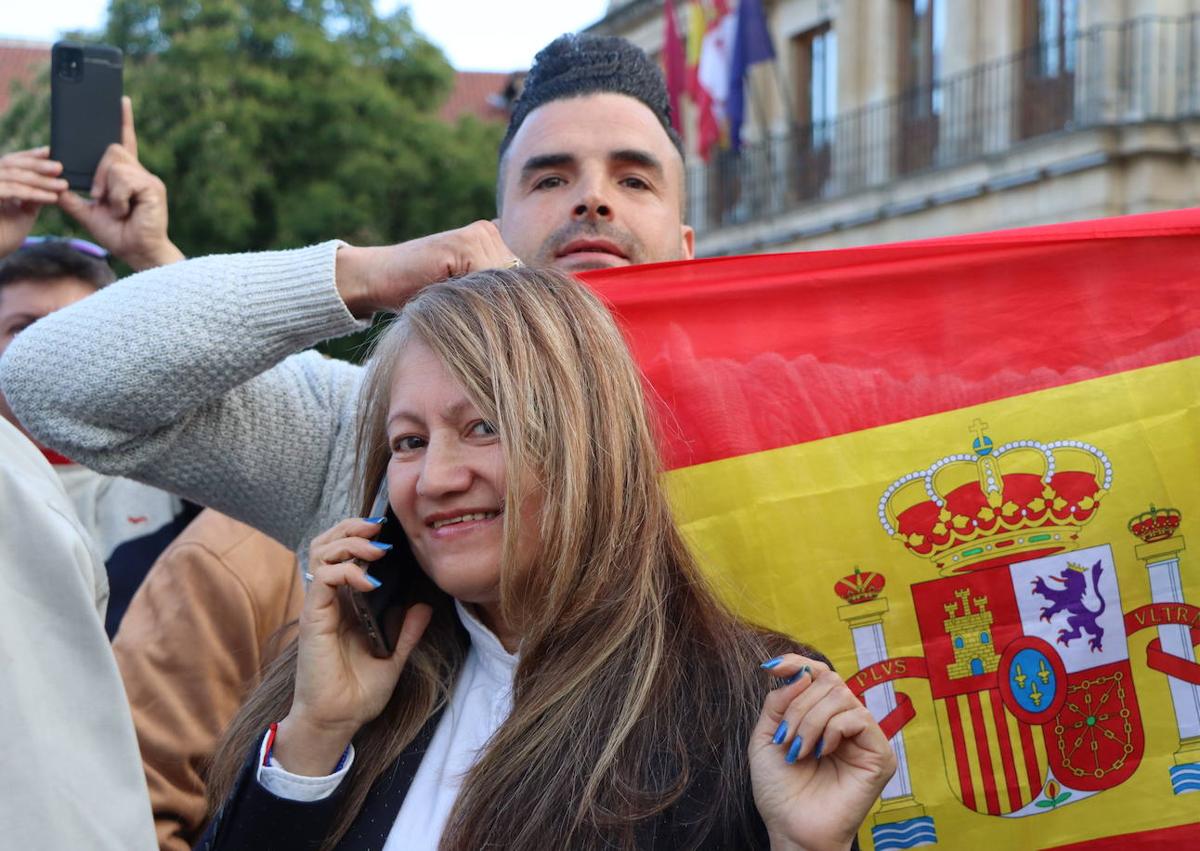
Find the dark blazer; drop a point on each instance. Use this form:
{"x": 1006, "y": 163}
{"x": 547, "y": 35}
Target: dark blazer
{"x": 253, "y": 819}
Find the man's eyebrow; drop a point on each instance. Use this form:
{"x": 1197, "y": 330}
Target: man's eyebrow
{"x": 633, "y": 156}
{"x": 544, "y": 161}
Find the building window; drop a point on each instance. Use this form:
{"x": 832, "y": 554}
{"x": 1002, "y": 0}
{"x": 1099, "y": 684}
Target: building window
{"x": 1055, "y": 23}
{"x": 1051, "y": 57}
{"x": 976, "y": 667}
{"x": 958, "y": 642}
{"x": 922, "y": 33}
{"x": 814, "y": 64}
{"x": 984, "y": 639}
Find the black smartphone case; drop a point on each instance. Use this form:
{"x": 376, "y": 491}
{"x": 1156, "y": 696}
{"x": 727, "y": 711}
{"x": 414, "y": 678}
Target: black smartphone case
{"x": 395, "y": 573}
{"x": 85, "y": 107}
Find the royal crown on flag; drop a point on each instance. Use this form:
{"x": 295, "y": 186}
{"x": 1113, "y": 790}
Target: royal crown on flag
{"x": 1157, "y": 524}
{"x": 859, "y": 587}
{"x": 997, "y": 504}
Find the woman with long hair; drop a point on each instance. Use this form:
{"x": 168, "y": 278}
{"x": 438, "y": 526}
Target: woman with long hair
{"x": 563, "y": 677}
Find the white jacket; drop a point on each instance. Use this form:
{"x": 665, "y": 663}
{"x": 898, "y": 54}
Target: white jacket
{"x": 71, "y": 774}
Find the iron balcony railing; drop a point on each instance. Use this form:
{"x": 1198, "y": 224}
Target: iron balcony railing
{"x": 1142, "y": 70}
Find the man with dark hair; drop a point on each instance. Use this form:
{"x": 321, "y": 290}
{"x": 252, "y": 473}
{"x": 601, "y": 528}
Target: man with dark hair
{"x": 238, "y": 416}
{"x": 41, "y": 277}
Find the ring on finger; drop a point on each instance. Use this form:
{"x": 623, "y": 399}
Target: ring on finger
{"x": 308, "y": 577}
{"x": 514, "y": 263}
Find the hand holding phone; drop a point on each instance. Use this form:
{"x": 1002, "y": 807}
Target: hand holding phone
{"x": 392, "y": 571}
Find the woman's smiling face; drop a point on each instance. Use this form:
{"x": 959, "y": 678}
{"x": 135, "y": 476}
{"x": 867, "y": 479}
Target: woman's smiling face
{"x": 447, "y": 479}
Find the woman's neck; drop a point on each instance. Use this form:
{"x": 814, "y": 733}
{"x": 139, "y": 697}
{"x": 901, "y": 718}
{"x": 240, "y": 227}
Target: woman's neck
{"x": 490, "y": 616}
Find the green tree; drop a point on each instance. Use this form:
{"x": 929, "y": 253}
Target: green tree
{"x": 276, "y": 124}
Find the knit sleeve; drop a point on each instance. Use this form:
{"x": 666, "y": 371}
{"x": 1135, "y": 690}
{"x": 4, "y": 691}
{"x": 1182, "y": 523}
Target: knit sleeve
{"x": 186, "y": 377}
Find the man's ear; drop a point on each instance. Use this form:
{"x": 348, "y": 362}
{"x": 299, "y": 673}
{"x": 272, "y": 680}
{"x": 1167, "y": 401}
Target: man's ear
{"x": 689, "y": 241}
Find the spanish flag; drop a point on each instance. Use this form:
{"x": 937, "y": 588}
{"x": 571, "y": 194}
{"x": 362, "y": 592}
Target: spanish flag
{"x": 966, "y": 469}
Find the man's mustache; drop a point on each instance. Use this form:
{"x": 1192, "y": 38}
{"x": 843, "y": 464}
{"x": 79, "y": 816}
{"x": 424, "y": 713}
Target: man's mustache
{"x": 630, "y": 246}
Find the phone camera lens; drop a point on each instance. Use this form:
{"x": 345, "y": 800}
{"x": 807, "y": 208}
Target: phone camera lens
{"x": 71, "y": 65}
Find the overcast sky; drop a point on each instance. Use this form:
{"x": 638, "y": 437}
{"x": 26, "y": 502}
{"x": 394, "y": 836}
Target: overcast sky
{"x": 502, "y": 35}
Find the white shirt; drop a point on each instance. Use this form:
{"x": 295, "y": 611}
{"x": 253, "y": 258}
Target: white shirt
{"x": 479, "y": 704}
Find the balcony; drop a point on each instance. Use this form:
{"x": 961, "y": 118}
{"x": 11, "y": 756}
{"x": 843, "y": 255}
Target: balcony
{"x": 1143, "y": 73}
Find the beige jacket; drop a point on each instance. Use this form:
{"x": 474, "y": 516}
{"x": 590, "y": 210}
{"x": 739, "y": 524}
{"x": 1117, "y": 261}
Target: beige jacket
{"x": 69, "y": 771}
{"x": 192, "y": 644}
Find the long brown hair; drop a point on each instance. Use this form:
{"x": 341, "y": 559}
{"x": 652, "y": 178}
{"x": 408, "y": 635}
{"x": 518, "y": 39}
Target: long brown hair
{"x": 636, "y": 686}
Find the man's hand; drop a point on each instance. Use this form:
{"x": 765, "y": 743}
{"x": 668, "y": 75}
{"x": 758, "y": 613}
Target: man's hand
{"x": 28, "y": 181}
{"x": 128, "y": 210}
{"x": 370, "y": 279}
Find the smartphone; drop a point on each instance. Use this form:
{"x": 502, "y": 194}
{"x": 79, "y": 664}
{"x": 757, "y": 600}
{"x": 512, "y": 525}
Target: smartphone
{"x": 394, "y": 571}
{"x": 85, "y": 107}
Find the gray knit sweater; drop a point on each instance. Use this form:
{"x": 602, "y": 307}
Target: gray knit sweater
{"x": 187, "y": 377}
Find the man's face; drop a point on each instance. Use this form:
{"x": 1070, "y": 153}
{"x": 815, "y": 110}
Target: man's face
{"x": 24, "y": 302}
{"x": 593, "y": 182}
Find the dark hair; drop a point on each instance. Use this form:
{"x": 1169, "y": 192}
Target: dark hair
{"x": 576, "y": 65}
{"x": 46, "y": 261}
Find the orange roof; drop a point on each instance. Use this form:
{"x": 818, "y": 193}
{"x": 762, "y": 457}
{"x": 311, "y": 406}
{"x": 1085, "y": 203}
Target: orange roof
{"x": 478, "y": 93}
{"x": 19, "y": 60}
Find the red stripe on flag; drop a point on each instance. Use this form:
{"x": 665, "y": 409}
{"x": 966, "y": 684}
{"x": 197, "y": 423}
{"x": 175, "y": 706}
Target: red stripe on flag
{"x": 1015, "y": 801}
{"x": 1032, "y": 773}
{"x": 1183, "y": 836}
{"x": 960, "y": 752}
{"x": 985, "y": 757}
{"x": 755, "y": 353}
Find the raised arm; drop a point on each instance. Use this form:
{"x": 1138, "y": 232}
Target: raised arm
{"x": 186, "y": 376}
{"x": 180, "y": 377}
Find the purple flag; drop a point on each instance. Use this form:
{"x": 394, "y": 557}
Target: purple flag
{"x": 751, "y": 44}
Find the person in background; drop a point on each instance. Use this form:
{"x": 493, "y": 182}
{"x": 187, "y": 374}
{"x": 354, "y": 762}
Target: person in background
{"x": 213, "y": 611}
{"x": 130, "y": 522}
{"x": 70, "y": 773}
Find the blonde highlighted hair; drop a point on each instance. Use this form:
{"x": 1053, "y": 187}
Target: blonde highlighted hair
{"x": 636, "y": 688}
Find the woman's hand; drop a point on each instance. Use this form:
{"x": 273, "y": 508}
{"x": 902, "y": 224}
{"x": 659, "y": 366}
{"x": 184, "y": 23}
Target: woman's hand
{"x": 340, "y": 686}
{"x": 818, "y": 760}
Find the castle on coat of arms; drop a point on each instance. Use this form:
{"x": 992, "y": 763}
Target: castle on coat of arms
{"x": 971, "y": 634}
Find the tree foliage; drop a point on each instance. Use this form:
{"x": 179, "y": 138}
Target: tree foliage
{"x": 277, "y": 123}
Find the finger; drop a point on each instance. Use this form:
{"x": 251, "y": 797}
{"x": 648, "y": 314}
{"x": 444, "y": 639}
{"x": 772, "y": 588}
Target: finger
{"x": 790, "y": 666}
{"x": 128, "y": 134}
{"x": 27, "y": 177}
{"x": 809, "y": 715}
{"x": 30, "y": 154}
{"x": 118, "y": 196}
{"x": 347, "y": 549}
{"x": 31, "y": 194}
{"x": 75, "y": 206}
{"x": 779, "y": 700}
{"x": 847, "y": 724}
{"x": 363, "y": 527}
{"x": 328, "y": 578}
{"x": 416, "y": 619}
{"x": 24, "y": 161}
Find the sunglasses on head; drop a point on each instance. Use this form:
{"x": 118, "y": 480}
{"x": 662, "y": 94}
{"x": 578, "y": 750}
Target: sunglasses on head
{"x": 81, "y": 245}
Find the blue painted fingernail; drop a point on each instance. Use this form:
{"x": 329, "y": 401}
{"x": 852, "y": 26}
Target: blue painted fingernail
{"x": 817, "y": 749}
{"x": 375, "y": 520}
{"x": 794, "y": 750}
{"x": 380, "y": 545}
{"x": 780, "y": 734}
{"x": 373, "y": 580}
{"x": 772, "y": 663}
{"x": 796, "y": 676}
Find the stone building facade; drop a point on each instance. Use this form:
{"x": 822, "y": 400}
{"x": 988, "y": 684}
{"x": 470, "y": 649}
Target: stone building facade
{"x": 884, "y": 120}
